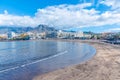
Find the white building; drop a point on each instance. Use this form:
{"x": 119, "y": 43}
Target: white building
{"x": 78, "y": 35}
{"x": 62, "y": 34}
{"x": 87, "y": 35}
{"x": 12, "y": 35}
{"x": 3, "y": 36}
{"x": 35, "y": 35}
{"x": 74, "y": 35}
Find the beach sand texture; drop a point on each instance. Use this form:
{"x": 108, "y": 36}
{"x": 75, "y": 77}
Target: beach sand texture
{"x": 105, "y": 65}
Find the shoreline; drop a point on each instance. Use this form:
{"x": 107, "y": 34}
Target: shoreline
{"x": 28, "y": 72}
{"x": 73, "y": 40}
{"x": 103, "y": 66}
{"x": 55, "y": 39}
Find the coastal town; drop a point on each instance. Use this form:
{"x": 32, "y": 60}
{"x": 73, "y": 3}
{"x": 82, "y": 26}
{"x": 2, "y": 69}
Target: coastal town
{"x": 45, "y": 32}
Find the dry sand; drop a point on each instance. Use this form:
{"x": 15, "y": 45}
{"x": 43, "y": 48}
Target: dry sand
{"x": 105, "y": 65}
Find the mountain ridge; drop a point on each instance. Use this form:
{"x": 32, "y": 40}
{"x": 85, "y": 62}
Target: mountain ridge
{"x": 39, "y": 28}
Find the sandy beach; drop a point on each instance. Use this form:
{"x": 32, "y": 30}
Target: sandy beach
{"x": 105, "y": 65}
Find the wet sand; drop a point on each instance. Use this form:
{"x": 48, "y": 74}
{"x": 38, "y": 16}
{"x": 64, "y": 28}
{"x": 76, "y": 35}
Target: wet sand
{"x": 105, "y": 65}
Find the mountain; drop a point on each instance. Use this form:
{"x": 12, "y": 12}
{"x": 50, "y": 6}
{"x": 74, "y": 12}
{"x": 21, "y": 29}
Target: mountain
{"x": 43, "y": 28}
{"x": 39, "y": 28}
{"x": 15, "y": 29}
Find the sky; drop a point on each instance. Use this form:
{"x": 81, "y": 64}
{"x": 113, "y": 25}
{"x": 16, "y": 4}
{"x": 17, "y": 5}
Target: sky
{"x": 76, "y": 15}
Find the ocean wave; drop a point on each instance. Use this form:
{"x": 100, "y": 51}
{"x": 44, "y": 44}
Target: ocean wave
{"x": 37, "y": 61}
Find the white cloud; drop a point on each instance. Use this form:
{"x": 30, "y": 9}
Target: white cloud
{"x": 113, "y": 30}
{"x": 75, "y": 16}
{"x": 115, "y": 4}
{"x": 63, "y": 16}
{"x": 12, "y": 20}
{"x": 5, "y": 12}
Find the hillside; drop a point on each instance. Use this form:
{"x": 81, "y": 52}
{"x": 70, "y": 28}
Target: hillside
{"x": 39, "y": 28}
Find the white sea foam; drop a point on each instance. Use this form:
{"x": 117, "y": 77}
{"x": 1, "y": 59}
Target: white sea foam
{"x": 13, "y": 68}
{"x": 9, "y": 69}
{"x": 61, "y": 53}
